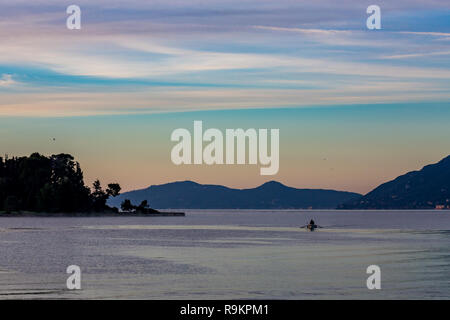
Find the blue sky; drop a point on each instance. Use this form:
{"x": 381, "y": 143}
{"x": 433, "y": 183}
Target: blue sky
{"x": 137, "y": 60}
{"x": 189, "y": 55}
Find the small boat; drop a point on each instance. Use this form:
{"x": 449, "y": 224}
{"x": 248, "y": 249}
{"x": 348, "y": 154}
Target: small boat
{"x": 311, "y": 227}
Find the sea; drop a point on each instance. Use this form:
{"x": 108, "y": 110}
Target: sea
{"x": 228, "y": 254}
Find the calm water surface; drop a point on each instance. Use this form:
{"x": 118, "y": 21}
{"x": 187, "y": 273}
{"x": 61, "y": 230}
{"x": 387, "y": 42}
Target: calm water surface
{"x": 229, "y": 255}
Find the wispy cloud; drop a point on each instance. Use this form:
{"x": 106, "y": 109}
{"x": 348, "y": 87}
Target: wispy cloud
{"x": 303, "y": 30}
{"x": 6, "y": 80}
{"x": 434, "y": 34}
{"x": 266, "y": 54}
{"x": 416, "y": 55}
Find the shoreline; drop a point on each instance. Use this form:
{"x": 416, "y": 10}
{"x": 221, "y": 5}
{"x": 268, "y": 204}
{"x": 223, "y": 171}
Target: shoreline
{"x": 87, "y": 214}
{"x": 183, "y": 214}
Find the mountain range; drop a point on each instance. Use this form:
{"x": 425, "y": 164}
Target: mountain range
{"x": 270, "y": 195}
{"x": 428, "y": 188}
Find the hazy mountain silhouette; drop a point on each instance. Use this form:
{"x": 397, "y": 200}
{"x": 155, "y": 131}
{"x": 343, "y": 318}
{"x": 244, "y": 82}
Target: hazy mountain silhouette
{"x": 424, "y": 189}
{"x": 270, "y": 195}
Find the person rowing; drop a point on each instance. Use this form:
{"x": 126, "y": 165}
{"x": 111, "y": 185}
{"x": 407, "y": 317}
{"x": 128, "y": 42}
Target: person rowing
{"x": 311, "y": 225}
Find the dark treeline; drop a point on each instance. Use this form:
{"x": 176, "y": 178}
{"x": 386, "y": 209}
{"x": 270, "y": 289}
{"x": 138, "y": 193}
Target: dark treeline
{"x": 50, "y": 184}
{"x": 127, "y": 206}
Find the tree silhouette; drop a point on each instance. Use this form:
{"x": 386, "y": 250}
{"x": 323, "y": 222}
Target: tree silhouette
{"x": 113, "y": 190}
{"x": 11, "y": 204}
{"x": 126, "y": 205}
{"x": 50, "y": 184}
{"x": 144, "y": 204}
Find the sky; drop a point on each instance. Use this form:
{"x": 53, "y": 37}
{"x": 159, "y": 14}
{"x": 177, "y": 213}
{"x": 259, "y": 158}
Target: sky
{"x": 355, "y": 107}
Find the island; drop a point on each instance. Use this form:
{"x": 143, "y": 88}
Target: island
{"x": 40, "y": 185}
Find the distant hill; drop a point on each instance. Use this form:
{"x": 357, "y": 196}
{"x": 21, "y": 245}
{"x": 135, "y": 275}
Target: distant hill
{"x": 425, "y": 189}
{"x": 270, "y": 195}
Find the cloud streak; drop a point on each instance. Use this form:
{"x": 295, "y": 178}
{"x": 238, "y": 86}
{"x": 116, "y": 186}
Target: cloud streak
{"x": 417, "y": 55}
{"x": 326, "y": 32}
{"x": 264, "y": 54}
{"x": 6, "y": 80}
